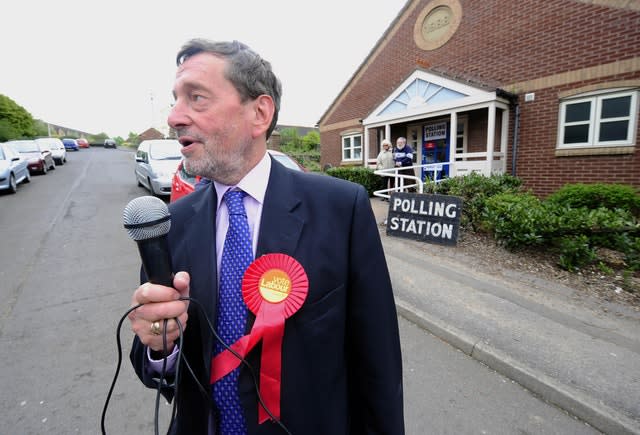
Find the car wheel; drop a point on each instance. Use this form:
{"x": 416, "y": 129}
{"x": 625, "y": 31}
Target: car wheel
{"x": 151, "y": 187}
{"x": 61, "y": 162}
{"x": 13, "y": 186}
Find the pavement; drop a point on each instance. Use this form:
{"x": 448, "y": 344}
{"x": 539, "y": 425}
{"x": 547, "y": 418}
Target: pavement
{"x": 572, "y": 351}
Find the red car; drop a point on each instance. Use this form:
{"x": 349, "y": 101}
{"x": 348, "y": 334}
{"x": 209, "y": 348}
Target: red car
{"x": 184, "y": 183}
{"x": 83, "y": 143}
{"x": 40, "y": 158}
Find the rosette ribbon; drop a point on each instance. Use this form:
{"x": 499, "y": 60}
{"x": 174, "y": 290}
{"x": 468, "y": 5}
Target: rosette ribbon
{"x": 274, "y": 287}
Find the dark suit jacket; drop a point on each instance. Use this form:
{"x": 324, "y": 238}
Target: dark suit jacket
{"x": 341, "y": 362}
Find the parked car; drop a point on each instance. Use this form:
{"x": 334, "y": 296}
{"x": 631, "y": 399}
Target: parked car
{"x": 70, "y": 144}
{"x": 83, "y": 143}
{"x": 156, "y": 162}
{"x": 56, "y": 147}
{"x": 184, "y": 183}
{"x": 14, "y": 169}
{"x": 110, "y": 143}
{"x": 287, "y": 160}
{"x": 39, "y": 157}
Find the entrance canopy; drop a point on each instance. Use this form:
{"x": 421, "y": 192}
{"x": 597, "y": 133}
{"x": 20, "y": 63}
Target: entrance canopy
{"x": 424, "y": 95}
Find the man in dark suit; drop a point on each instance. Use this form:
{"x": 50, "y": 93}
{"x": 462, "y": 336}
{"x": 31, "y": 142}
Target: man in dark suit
{"x": 341, "y": 368}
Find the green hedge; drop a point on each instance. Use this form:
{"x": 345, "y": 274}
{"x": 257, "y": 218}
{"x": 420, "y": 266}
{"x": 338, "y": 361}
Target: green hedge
{"x": 474, "y": 189}
{"x": 360, "y": 175}
{"x": 571, "y": 222}
{"x": 593, "y": 196}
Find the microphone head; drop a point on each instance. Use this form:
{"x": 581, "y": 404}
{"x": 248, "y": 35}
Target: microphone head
{"x": 146, "y": 217}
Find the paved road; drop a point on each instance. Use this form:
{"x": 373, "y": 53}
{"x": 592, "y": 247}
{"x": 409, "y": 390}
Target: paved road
{"x": 67, "y": 269}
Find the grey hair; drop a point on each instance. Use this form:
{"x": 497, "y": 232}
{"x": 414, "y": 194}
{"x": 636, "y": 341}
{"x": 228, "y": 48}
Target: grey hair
{"x": 250, "y": 74}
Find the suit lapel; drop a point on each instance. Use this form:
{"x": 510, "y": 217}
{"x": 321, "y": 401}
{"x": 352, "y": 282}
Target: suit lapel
{"x": 200, "y": 232}
{"x": 281, "y": 223}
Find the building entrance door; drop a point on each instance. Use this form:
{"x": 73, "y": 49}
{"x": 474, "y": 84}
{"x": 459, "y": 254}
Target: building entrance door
{"x": 435, "y": 149}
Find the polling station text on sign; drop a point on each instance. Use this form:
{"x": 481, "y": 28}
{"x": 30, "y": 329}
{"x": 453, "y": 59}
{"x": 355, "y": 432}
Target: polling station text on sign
{"x": 427, "y": 218}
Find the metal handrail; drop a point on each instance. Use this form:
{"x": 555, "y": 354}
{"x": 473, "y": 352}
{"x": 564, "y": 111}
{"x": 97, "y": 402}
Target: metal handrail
{"x": 399, "y": 179}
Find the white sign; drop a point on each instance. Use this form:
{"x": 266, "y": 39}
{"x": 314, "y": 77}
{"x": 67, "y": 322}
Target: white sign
{"x": 435, "y": 131}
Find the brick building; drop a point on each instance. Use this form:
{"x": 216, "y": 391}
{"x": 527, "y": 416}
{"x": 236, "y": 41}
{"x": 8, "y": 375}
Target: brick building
{"x": 149, "y": 134}
{"x": 545, "y": 90}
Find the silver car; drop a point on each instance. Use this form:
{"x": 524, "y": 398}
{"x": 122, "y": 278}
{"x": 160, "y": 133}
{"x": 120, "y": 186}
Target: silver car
{"x": 13, "y": 169}
{"x": 55, "y": 145}
{"x": 156, "y": 162}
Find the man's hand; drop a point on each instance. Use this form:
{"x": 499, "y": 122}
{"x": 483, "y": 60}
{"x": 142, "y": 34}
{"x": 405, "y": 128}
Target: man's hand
{"x": 160, "y": 303}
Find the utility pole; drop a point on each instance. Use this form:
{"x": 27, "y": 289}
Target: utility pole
{"x": 152, "y": 111}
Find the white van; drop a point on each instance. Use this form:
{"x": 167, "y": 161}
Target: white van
{"x": 156, "y": 162}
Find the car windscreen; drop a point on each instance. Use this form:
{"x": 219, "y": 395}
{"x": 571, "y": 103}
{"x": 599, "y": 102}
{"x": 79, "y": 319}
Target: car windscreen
{"x": 51, "y": 144}
{"x": 25, "y": 147}
{"x": 286, "y": 161}
{"x": 165, "y": 151}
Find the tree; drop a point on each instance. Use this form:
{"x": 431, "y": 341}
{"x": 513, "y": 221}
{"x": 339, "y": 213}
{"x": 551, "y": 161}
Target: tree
{"x": 15, "y": 121}
{"x": 41, "y": 128}
{"x": 289, "y": 138}
{"x": 311, "y": 141}
{"x": 133, "y": 139}
{"x": 98, "y": 138}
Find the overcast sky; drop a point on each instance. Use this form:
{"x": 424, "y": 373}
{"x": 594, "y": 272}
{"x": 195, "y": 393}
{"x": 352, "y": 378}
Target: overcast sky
{"x": 108, "y": 66}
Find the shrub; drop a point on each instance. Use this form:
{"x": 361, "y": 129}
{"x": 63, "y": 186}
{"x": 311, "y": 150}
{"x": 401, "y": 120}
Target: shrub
{"x": 593, "y": 196}
{"x": 515, "y": 219}
{"x": 575, "y": 252}
{"x": 474, "y": 189}
{"x": 519, "y": 220}
{"x": 360, "y": 175}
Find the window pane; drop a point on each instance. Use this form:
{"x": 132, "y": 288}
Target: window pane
{"x": 610, "y": 131}
{"x": 345, "y": 154}
{"x": 357, "y": 153}
{"x": 357, "y": 141}
{"x": 616, "y": 107}
{"x": 578, "y": 112}
{"x": 576, "y": 134}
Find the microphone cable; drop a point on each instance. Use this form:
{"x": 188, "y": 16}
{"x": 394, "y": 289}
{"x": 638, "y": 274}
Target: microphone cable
{"x": 180, "y": 357}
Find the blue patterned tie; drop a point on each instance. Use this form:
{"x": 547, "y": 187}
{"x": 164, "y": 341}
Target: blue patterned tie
{"x": 237, "y": 254}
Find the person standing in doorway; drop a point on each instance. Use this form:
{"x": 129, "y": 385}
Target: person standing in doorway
{"x": 385, "y": 161}
{"x": 403, "y": 158}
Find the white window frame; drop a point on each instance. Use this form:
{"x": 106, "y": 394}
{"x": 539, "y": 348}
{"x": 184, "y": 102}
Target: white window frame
{"x": 595, "y": 119}
{"x": 347, "y": 144}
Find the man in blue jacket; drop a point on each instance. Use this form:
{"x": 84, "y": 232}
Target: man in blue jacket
{"x": 403, "y": 158}
{"x": 341, "y": 366}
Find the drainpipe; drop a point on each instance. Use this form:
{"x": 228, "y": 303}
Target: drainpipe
{"x": 516, "y": 128}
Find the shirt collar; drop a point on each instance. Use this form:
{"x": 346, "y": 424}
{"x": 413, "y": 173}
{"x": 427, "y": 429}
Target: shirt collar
{"x": 254, "y": 183}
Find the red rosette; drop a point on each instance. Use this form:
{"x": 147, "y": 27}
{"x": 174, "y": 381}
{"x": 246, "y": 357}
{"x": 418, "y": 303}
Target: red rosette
{"x": 274, "y": 287}
{"x": 269, "y": 268}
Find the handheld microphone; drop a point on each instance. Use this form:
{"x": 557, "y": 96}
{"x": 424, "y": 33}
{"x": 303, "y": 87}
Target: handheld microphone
{"x": 147, "y": 220}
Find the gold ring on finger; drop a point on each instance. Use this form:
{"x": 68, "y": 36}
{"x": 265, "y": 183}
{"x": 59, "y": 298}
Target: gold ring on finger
{"x": 155, "y": 328}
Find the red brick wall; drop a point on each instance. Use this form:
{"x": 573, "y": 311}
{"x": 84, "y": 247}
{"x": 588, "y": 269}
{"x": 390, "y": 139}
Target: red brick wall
{"x": 501, "y": 43}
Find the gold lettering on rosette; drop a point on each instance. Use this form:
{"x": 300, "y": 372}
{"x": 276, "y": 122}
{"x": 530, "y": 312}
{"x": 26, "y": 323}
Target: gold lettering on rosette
{"x": 275, "y": 285}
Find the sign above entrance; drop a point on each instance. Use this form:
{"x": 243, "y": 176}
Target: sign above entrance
{"x": 426, "y": 218}
{"x": 435, "y": 131}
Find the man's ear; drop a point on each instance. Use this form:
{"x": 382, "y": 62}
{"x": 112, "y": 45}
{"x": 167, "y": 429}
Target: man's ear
{"x": 264, "y": 110}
